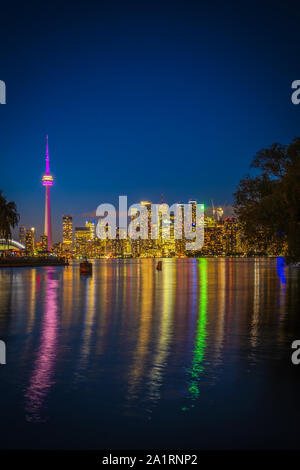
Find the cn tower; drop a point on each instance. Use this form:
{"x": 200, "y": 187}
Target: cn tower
{"x": 47, "y": 182}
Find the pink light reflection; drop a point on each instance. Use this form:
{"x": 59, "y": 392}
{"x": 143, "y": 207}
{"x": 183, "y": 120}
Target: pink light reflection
{"x": 42, "y": 375}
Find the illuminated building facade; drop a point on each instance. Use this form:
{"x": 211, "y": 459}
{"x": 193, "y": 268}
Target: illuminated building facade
{"x": 230, "y": 236}
{"x": 119, "y": 244}
{"x": 147, "y": 245}
{"x": 47, "y": 182}
{"x": 30, "y": 241}
{"x": 44, "y": 243}
{"x": 179, "y": 232}
{"x": 67, "y": 227}
{"x": 82, "y": 238}
{"x": 193, "y": 205}
{"x": 92, "y": 228}
{"x": 213, "y": 241}
{"x": 22, "y": 234}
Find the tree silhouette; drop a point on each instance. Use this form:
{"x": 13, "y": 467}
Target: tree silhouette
{"x": 9, "y": 218}
{"x": 268, "y": 205}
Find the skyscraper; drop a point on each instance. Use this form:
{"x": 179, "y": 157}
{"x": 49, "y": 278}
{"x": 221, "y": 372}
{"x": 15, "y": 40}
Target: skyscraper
{"x": 92, "y": 227}
{"x": 22, "y": 234}
{"x": 47, "y": 182}
{"x": 29, "y": 240}
{"x": 44, "y": 243}
{"x": 193, "y": 204}
{"x": 67, "y": 233}
{"x": 146, "y": 220}
{"x": 82, "y": 237}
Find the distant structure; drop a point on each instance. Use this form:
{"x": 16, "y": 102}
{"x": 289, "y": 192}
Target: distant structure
{"x": 11, "y": 245}
{"x": 82, "y": 237}
{"x": 92, "y": 227}
{"x": 44, "y": 243}
{"x": 220, "y": 213}
{"x": 30, "y": 241}
{"x": 22, "y": 234}
{"x": 193, "y": 204}
{"x": 67, "y": 227}
{"x": 47, "y": 182}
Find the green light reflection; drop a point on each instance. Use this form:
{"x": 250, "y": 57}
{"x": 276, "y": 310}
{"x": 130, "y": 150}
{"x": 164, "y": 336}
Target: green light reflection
{"x": 198, "y": 365}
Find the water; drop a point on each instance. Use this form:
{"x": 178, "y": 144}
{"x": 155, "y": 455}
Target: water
{"x": 195, "y": 356}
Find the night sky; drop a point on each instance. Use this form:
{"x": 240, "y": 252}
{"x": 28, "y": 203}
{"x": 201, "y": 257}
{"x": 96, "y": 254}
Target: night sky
{"x": 141, "y": 98}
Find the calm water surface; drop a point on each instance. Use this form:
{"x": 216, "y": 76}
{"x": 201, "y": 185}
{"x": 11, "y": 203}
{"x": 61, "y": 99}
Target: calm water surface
{"x": 194, "y": 356}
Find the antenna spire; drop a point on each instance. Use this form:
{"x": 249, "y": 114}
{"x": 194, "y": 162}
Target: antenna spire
{"x": 47, "y": 157}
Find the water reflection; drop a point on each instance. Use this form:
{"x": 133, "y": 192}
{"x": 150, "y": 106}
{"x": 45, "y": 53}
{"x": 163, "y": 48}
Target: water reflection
{"x": 280, "y": 265}
{"x": 146, "y": 278}
{"x": 256, "y": 304}
{"x": 88, "y": 324}
{"x": 162, "y": 346}
{"x": 131, "y": 340}
{"x": 201, "y": 333}
{"x": 42, "y": 377}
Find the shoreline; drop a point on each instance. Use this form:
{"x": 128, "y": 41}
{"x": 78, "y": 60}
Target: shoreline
{"x": 30, "y": 263}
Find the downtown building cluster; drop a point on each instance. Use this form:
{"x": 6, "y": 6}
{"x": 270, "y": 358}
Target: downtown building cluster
{"x": 221, "y": 238}
{"x": 222, "y": 235}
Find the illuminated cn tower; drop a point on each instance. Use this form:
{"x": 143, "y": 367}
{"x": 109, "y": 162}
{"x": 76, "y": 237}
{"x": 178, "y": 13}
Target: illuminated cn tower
{"x": 47, "y": 182}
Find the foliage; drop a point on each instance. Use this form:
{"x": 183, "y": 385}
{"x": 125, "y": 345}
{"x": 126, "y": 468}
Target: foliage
{"x": 9, "y": 218}
{"x": 268, "y": 205}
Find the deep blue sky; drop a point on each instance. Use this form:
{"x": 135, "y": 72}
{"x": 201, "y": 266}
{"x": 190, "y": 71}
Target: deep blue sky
{"x": 141, "y": 98}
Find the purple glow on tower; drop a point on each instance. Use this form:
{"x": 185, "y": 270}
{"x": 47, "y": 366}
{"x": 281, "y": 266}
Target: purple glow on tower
{"x": 47, "y": 158}
{"x": 47, "y": 182}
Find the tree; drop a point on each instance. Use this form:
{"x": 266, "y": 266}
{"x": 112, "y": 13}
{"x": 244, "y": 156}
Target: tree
{"x": 9, "y": 218}
{"x": 268, "y": 205}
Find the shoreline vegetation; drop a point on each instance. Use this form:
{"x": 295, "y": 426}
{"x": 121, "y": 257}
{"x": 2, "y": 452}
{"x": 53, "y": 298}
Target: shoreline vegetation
{"x": 267, "y": 204}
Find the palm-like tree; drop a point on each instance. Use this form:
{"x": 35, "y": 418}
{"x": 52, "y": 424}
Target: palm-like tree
{"x": 9, "y": 217}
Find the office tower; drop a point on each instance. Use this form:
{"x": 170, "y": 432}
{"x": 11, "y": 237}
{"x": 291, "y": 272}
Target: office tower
{"x": 67, "y": 227}
{"x": 165, "y": 244}
{"x": 147, "y": 244}
{"x": 29, "y": 240}
{"x": 82, "y": 238}
{"x": 194, "y": 213}
{"x": 22, "y": 234}
{"x": 136, "y": 248}
{"x": 119, "y": 244}
{"x": 230, "y": 236}
{"x": 92, "y": 228}
{"x": 179, "y": 230}
{"x": 44, "y": 243}
{"x": 146, "y": 220}
{"x": 213, "y": 240}
{"x": 47, "y": 182}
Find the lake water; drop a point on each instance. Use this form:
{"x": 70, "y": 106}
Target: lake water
{"x": 197, "y": 355}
